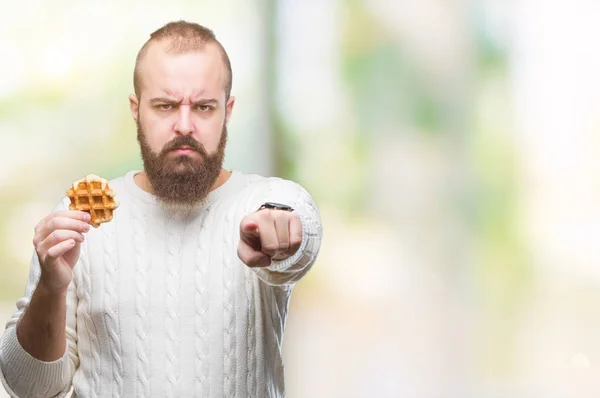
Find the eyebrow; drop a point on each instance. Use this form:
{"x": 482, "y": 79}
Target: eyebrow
{"x": 206, "y": 101}
{"x": 166, "y": 100}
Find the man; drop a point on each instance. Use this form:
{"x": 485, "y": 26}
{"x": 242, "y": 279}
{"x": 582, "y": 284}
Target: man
{"x": 185, "y": 292}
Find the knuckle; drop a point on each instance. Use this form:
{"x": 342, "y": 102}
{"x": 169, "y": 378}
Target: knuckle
{"x": 270, "y": 247}
{"x": 265, "y": 214}
{"x": 39, "y": 227}
{"x": 39, "y": 252}
{"x": 284, "y": 244}
{"x": 279, "y": 215}
{"x": 55, "y": 237}
{"x": 295, "y": 243}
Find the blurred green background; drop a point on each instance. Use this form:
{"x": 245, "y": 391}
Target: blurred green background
{"x": 451, "y": 145}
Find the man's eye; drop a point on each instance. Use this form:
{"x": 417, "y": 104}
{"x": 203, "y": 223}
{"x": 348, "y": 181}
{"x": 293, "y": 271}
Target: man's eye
{"x": 165, "y": 107}
{"x": 204, "y": 108}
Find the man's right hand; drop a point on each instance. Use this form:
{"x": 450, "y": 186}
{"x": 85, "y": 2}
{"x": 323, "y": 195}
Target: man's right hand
{"x": 57, "y": 242}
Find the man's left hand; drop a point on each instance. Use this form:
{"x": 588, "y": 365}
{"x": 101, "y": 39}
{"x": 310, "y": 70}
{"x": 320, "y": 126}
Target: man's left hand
{"x": 269, "y": 235}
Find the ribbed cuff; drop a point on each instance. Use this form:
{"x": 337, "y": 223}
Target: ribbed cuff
{"x": 283, "y": 265}
{"x": 18, "y": 364}
{"x": 292, "y": 269}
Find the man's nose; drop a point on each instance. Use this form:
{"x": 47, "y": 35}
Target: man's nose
{"x": 184, "y": 125}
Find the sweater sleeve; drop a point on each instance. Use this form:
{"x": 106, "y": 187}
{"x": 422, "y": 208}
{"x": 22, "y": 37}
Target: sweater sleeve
{"x": 292, "y": 269}
{"x": 25, "y": 376}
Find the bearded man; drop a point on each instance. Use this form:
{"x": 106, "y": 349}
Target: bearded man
{"x": 185, "y": 292}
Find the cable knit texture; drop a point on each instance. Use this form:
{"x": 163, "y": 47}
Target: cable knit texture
{"x": 142, "y": 302}
{"x": 229, "y": 307}
{"x": 161, "y": 305}
{"x": 84, "y": 288}
{"x": 111, "y": 301}
{"x": 172, "y": 321}
{"x": 201, "y": 306}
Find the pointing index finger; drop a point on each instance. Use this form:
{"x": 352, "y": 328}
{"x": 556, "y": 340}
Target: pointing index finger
{"x": 250, "y": 228}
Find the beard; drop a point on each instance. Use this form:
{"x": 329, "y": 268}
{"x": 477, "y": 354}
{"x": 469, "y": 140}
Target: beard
{"x": 182, "y": 181}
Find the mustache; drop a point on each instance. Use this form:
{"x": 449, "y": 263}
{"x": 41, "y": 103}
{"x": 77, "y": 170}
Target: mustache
{"x": 184, "y": 140}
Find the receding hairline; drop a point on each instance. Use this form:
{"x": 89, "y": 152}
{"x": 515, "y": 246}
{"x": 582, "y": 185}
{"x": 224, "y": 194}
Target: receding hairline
{"x": 180, "y": 38}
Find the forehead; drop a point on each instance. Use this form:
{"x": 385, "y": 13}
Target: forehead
{"x": 191, "y": 74}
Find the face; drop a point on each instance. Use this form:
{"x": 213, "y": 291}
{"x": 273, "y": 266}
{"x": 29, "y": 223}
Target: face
{"x": 181, "y": 117}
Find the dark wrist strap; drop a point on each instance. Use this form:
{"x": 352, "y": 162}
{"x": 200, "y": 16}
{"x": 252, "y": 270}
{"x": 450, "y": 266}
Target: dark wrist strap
{"x": 275, "y": 206}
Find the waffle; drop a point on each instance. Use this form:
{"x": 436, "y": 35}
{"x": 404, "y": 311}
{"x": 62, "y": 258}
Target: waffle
{"x": 93, "y": 195}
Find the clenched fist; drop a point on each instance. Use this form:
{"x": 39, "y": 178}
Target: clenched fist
{"x": 269, "y": 235}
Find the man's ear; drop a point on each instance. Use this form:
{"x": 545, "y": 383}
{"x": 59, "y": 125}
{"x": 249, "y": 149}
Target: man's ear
{"x": 134, "y": 105}
{"x": 229, "y": 108}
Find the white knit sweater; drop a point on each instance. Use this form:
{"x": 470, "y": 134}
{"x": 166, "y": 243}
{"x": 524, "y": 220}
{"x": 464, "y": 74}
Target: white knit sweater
{"x": 161, "y": 305}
